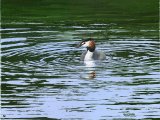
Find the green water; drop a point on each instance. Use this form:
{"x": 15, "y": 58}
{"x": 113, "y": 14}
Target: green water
{"x": 43, "y": 77}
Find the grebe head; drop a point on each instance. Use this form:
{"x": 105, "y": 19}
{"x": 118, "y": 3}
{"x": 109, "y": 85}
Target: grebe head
{"x": 88, "y": 43}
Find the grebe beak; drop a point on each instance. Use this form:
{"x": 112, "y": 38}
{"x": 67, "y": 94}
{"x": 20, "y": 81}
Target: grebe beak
{"x": 78, "y": 45}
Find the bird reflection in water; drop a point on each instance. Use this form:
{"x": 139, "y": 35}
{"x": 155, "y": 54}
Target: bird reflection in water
{"x": 90, "y": 70}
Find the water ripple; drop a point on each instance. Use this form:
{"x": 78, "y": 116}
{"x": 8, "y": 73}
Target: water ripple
{"x": 42, "y": 74}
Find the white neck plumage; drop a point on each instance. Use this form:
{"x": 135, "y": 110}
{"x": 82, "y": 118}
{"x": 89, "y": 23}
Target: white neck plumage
{"x": 88, "y": 56}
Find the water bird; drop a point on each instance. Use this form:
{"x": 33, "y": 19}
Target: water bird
{"x": 91, "y": 53}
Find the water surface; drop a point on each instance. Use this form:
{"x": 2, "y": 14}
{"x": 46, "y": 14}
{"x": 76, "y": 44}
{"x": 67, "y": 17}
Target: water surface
{"x": 43, "y": 77}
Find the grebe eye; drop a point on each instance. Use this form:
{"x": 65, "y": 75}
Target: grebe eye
{"x": 83, "y": 43}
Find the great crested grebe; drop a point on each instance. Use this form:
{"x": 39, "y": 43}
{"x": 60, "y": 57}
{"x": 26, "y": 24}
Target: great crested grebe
{"x": 91, "y": 54}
